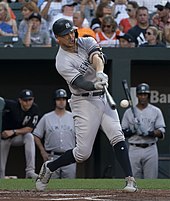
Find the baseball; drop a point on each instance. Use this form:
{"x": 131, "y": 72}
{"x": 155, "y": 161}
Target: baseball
{"x": 124, "y": 103}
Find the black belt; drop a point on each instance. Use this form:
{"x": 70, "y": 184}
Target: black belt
{"x": 99, "y": 93}
{"x": 55, "y": 153}
{"x": 142, "y": 145}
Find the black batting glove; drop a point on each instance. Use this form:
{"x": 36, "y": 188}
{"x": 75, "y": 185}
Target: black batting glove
{"x": 151, "y": 134}
{"x": 128, "y": 133}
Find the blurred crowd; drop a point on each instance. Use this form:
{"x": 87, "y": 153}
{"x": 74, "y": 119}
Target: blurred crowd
{"x": 113, "y": 23}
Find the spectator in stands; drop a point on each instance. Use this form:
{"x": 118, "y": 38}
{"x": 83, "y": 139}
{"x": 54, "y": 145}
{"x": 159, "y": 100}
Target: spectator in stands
{"x": 19, "y": 119}
{"x": 126, "y": 41}
{"x": 27, "y": 9}
{"x": 149, "y": 4}
{"x": 67, "y": 12}
{"x": 35, "y": 37}
{"x": 89, "y": 8}
{"x": 78, "y": 18}
{"x": 161, "y": 16}
{"x": 127, "y": 23}
{"x": 101, "y": 10}
{"x": 152, "y": 38}
{"x": 138, "y": 31}
{"x": 12, "y": 14}
{"x": 166, "y": 32}
{"x": 8, "y": 26}
{"x": 107, "y": 37}
{"x": 120, "y": 10}
{"x": 49, "y": 9}
{"x": 109, "y": 2}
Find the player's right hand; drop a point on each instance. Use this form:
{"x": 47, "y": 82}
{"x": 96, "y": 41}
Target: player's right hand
{"x": 101, "y": 76}
{"x": 100, "y": 84}
{"x": 7, "y": 133}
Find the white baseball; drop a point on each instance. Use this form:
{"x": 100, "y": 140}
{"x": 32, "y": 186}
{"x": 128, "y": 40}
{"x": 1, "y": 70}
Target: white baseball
{"x": 124, "y": 103}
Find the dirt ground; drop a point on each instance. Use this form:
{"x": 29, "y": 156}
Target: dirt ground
{"x": 83, "y": 195}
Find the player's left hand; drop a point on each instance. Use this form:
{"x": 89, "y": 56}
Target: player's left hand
{"x": 100, "y": 85}
{"x": 101, "y": 76}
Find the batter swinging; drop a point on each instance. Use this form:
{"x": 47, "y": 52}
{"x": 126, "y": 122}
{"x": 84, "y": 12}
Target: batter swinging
{"x": 80, "y": 62}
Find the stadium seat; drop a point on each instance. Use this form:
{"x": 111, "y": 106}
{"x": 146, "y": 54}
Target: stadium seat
{"x": 10, "y": 41}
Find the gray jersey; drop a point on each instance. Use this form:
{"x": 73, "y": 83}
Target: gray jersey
{"x": 58, "y": 131}
{"x": 150, "y": 119}
{"x": 78, "y": 63}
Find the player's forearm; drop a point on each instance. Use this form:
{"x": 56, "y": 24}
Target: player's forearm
{"x": 80, "y": 82}
{"x": 44, "y": 11}
{"x": 39, "y": 144}
{"x": 27, "y": 39}
{"x": 23, "y": 131}
{"x": 97, "y": 64}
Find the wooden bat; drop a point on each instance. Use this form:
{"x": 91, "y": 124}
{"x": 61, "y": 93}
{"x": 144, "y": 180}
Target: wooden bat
{"x": 129, "y": 98}
{"x": 110, "y": 100}
{"x": 139, "y": 128}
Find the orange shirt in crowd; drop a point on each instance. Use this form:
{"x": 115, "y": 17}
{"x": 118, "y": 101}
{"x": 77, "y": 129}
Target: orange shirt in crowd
{"x": 84, "y": 31}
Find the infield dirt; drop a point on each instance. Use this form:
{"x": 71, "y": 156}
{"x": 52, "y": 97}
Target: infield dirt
{"x": 83, "y": 195}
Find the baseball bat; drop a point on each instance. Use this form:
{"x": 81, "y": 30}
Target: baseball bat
{"x": 139, "y": 129}
{"x": 128, "y": 97}
{"x": 110, "y": 100}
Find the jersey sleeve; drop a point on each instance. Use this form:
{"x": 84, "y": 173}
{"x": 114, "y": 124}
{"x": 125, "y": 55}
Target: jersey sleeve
{"x": 160, "y": 123}
{"x": 34, "y": 113}
{"x": 92, "y": 47}
{"x": 67, "y": 70}
{"x": 40, "y": 128}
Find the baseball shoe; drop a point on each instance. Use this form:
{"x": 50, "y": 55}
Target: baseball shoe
{"x": 43, "y": 177}
{"x": 130, "y": 185}
{"x": 31, "y": 175}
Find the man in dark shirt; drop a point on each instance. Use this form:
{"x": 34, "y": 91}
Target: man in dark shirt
{"x": 18, "y": 121}
{"x": 138, "y": 31}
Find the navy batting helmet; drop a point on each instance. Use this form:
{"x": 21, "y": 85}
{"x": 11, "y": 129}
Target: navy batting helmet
{"x": 60, "y": 93}
{"x": 143, "y": 88}
{"x": 62, "y": 27}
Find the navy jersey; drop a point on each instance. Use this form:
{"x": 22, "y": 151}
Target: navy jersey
{"x": 14, "y": 117}
{"x": 138, "y": 34}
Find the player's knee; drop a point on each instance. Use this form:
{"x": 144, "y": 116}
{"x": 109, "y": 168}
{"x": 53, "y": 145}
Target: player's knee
{"x": 81, "y": 156}
{"x": 117, "y": 138}
{"x": 29, "y": 137}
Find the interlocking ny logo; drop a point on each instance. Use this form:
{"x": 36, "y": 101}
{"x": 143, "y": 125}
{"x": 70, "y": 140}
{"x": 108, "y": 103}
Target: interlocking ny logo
{"x": 67, "y": 25}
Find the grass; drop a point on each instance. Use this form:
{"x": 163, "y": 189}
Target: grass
{"x": 29, "y": 184}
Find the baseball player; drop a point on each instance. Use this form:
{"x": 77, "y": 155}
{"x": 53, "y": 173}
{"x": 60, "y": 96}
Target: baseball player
{"x": 57, "y": 130}
{"x": 80, "y": 61}
{"x": 19, "y": 119}
{"x": 142, "y": 136}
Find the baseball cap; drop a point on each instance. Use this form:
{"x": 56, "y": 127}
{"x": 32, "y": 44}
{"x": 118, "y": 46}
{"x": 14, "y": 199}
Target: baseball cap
{"x": 161, "y": 5}
{"x": 167, "y": 5}
{"x": 68, "y": 3}
{"x": 62, "y": 27}
{"x": 35, "y": 15}
{"x": 26, "y": 94}
{"x": 127, "y": 37}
